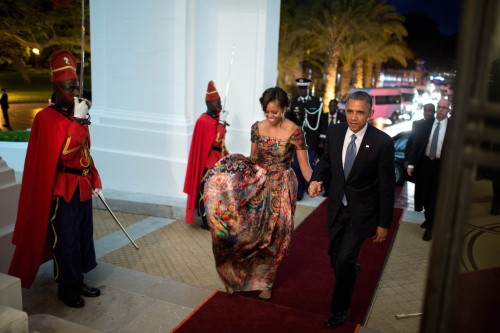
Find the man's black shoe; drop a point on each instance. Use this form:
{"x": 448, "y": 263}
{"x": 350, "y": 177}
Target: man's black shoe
{"x": 424, "y": 225}
{"x": 427, "y": 235}
{"x": 87, "y": 291}
{"x": 300, "y": 198}
{"x": 71, "y": 298}
{"x": 337, "y": 319}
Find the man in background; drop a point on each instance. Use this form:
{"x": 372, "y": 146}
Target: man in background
{"x": 305, "y": 111}
{"x": 207, "y": 148}
{"x": 4, "y": 102}
{"x": 333, "y": 117}
{"x": 429, "y": 111}
{"x": 424, "y": 161}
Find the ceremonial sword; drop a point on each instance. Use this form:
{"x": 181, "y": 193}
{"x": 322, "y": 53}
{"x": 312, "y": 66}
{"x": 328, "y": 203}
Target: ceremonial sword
{"x": 224, "y": 111}
{"x": 82, "y": 50}
{"x": 116, "y": 220}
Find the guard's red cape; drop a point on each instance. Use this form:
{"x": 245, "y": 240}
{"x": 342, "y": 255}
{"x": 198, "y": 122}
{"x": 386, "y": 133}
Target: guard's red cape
{"x": 30, "y": 234}
{"x": 204, "y": 134}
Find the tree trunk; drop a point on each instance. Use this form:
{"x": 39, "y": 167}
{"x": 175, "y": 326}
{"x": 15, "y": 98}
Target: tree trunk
{"x": 358, "y": 70}
{"x": 376, "y": 72}
{"x": 331, "y": 79}
{"x": 368, "y": 74}
{"x": 19, "y": 66}
{"x": 345, "y": 79}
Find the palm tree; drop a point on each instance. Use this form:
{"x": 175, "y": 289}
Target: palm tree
{"x": 379, "y": 37}
{"x": 386, "y": 42}
{"x": 396, "y": 50}
{"x": 327, "y": 32}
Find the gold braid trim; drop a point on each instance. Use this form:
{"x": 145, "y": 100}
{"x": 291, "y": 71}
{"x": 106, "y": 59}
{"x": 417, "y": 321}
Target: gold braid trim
{"x": 55, "y": 238}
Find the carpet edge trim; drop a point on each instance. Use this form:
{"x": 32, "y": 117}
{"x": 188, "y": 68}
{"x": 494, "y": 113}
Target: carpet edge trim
{"x": 194, "y": 311}
{"x": 383, "y": 268}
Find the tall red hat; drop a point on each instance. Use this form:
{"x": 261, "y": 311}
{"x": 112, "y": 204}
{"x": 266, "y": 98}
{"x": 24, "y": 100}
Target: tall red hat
{"x": 62, "y": 66}
{"x": 212, "y": 92}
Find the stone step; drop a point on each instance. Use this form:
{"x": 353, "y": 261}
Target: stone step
{"x": 13, "y": 320}
{"x": 45, "y": 323}
{"x": 131, "y": 301}
{"x": 10, "y": 292}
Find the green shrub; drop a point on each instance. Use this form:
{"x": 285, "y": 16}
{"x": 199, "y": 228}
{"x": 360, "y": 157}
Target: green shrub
{"x": 15, "y": 136}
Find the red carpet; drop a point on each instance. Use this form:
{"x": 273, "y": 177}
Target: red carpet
{"x": 302, "y": 290}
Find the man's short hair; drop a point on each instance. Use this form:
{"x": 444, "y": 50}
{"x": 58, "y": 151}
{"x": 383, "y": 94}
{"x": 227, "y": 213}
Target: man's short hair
{"x": 361, "y": 96}
{"x": 430, "y": 105}
{"x": 334, "y": 100}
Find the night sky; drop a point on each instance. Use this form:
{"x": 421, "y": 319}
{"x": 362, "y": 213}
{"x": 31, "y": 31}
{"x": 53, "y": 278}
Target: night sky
{"x": 445, "y": 12}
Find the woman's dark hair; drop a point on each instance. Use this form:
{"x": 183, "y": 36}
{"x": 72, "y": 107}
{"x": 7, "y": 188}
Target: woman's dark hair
{"x": 274, "y": 94}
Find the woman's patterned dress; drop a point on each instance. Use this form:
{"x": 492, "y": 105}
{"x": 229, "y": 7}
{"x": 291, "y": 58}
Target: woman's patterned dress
{"x": 250, "y": 204}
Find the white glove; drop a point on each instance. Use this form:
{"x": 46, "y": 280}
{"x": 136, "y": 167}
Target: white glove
{"x": 97, "y": 191}
{"x": 81, "y": 109}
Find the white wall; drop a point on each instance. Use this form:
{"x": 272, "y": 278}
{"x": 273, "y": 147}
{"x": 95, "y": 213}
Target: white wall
{"x": 151, "y": 62}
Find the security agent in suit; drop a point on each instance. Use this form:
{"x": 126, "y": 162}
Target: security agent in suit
{"x": 327, "y": 119}
{"x": 429, "y": 111}
{"x": 305, "y": 111}
{"x": 359, "y": 158}
{"x": 424, "y": 162}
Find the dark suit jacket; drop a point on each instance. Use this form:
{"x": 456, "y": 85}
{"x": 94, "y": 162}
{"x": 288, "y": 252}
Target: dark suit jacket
{"x": 421, "y": 135}
{"x": 4, "y": 101}
{"x": 415, "y": 128}
{"x": 369, "y": 189}
{"x": 323, "y": 124}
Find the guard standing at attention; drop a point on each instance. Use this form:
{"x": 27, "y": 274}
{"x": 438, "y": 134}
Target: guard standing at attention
{"x": 207, "y": 148}
{"x": 54, "y": 218}
{"x": 305, "y": 111}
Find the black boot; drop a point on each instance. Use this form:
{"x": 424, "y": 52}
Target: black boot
{"x": 84, "y": 290}
{"x": 70, "y": 297}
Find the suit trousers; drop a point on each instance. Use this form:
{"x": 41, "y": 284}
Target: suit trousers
{"x": 429, "y": 179}
{"x": 345, "y": 245}
{"x": 71, "y": 237}
{"x": 5, "y": 112}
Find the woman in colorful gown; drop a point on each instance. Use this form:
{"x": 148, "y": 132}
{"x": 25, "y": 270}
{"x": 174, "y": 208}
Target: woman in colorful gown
{"x": 250, "y": 201}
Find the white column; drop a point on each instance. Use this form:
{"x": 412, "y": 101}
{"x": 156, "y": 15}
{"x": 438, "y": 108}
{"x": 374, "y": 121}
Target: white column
{"x": 9, "y": 199}
{"x": 151, "y": 63}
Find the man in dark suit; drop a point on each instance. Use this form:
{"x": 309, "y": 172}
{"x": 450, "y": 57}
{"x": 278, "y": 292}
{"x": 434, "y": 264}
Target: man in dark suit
{"x": 424, "y": 161}
{"x": 4, "y": 102}
{"x": 305, "y": 111}
{"x": 331, "y": 118}
{"x": 429, "y": 111}
{"x": 359, "y": 158}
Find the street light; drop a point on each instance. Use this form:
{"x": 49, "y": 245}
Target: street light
{"x": 37, "y": 53}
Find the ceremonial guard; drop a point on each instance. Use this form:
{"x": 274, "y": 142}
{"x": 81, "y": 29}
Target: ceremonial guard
{"x": 305, "y": 111}
{"x": 207, "y": 148}
{"x": 54, "y": 219}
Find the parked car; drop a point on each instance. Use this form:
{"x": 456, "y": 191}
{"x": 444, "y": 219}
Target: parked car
{"x": 400, "y": 141}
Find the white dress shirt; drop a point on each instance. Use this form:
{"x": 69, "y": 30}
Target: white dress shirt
{"x": 332, "y": 118}
{"x": 442, "y": 131}
{"x": 347, "y": 140}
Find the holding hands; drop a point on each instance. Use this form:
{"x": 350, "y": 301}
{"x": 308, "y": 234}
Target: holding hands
{"x": 314, "y": 188}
